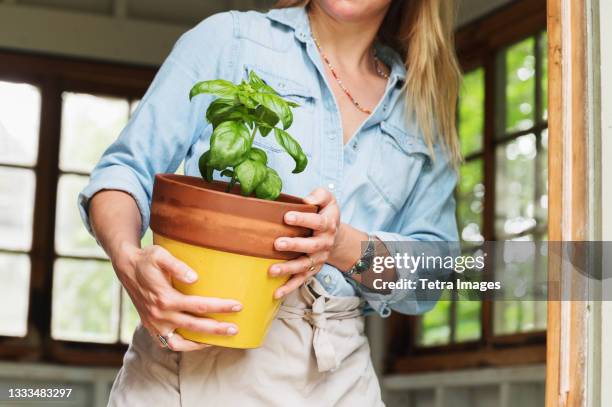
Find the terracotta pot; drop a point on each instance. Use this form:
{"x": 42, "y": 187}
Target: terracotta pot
{"x": 228, "y": 240}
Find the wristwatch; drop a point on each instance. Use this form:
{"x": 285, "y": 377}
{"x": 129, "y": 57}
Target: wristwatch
{"x": 365, "y": 261}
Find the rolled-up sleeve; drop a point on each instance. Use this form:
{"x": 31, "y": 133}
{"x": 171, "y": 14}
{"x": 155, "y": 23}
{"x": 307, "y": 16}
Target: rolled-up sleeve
{"x": 166, "y": 124}
{"x": 426, "y": 223}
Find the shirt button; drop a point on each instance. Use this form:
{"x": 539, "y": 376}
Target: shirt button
{"x": 331, "y": 186}
{"x": 327, "y": 280}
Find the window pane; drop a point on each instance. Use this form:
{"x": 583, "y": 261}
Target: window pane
{"x": 521, "y": 270}
{"x": 471, "y": 112}
{"x": 542, "y": 180}
{"x": 85, "y": 301}
{"x": 17, "y": 189}
{"x": 19, "y": 123}
{"x": 71, "y": 237}
{"x": 544, "y": 54}
{"x": 515, "y": 186}
{"x": 134, "y": 106}
{"x": 129, "y": 318}
{"x": 468, "y": 320}
{"x": 89, "y": 125}
{"x": 520, "y": 85}
{"x": 470, "y": 201}
{"x": 14, "y": 294}
{"x": 435, "y": 324}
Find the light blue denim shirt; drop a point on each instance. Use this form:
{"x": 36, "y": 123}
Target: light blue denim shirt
{"x": 385, "y": 179}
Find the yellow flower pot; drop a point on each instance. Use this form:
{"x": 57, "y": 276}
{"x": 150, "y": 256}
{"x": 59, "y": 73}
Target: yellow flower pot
{"x": 228, "y": 240}
{"x": 228, "y": 275}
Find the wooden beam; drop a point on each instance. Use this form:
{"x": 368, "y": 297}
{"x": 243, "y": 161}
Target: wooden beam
{"x": 489, "y": 357}
{"x": 568, "y": 197}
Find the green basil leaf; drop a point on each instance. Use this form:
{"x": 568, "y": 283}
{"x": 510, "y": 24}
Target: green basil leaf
{"x": 265, "y": 118}
{"x": 219, "y": 87}
{"x": 270, "y": 187}
{"x": 277, "y": 105}
{"x": 246, "y": 99}
{"x": 229, "y": 145}
{"x": 250, "y": 174}
{"x": 221, "y": 110}
{"x": 293, "y": 148}
{"x": 258, "y": 84}
{"x": 257, "y": 154}
{"x": 205, "y": 169}
{"x": 291, "y": 103}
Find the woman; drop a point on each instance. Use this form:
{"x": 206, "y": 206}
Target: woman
{"x": 381, "y": 144}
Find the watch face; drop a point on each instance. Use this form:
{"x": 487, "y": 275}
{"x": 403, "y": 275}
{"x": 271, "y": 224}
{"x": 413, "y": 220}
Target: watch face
{"x": 361, "y": 266}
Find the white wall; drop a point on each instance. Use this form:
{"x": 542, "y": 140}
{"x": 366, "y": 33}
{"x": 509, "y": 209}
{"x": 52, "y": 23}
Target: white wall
{"x": 131, "y": 31}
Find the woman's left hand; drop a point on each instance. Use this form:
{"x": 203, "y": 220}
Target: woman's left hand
{"x": 318, "y": 247}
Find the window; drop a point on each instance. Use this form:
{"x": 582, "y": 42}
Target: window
{"x": 88, "y": 302}
{"x": 20, "y": 105}
{"x": 58, "y": 287}
{"x": 501, "y": 195}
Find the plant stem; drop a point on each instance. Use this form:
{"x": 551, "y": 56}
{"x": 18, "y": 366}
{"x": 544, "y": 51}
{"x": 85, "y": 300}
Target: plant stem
{"x": 231, "y": 184}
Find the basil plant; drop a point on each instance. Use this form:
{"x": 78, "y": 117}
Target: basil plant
{"x": 237, "y": 114}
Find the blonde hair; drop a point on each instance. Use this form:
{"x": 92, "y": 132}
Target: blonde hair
{"x": 421, "y": 31}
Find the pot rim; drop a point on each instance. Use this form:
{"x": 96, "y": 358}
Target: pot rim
{"x": 283, "y": 199}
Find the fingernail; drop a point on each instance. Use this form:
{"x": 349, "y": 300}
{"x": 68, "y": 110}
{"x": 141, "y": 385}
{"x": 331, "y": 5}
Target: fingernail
{"x": 309, "y": 199}
{"x": 279, "y": 294}
{"x": 275, "y": 270}
{"x": 282, "y": 244}
{"x": 191, "y": 276}
{"x": 291, "y": 218}
{"x": 237, "y": 307}
{"x": 232, "y": 331}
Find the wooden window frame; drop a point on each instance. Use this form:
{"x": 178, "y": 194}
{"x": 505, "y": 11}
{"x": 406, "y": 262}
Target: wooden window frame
{"x": 571, "y": 190}
{"x": 478, "y": 45}
{"x": 53, "y": 76}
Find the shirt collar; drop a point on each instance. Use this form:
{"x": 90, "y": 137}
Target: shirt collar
{"x": 296, "y": 18}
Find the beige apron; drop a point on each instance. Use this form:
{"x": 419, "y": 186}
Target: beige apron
{"x": 316, "y": 354}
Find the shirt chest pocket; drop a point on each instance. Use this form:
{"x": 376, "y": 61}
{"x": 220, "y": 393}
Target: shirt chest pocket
{"x": 304, "y": 126}
{"x": 396, "y": 165}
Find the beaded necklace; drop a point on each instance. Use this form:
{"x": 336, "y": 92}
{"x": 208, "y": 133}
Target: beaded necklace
{"x": 377, "y": 64}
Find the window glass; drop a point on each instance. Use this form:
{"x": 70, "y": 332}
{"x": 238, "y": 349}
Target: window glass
{"x": 17, "y": 188}
{"x": 129, "y": 318}
{"x": 471, "y": 112}
{"x": 14, "y": 294}
{"x": 71, "y": 237}
{"x": 468, "y": 320}
{"x": 542, "y": 180}
{"x": 435, "y": 328}
{"x": 520, "y": 85}
{"x": 515, "y": 186}
{"x": 544, "y": 79}
{"x": 85, "y": 301}
{"x": 470, "y": 200}
{"x": 19, "y": 123}
{"x": 89, "y": 125}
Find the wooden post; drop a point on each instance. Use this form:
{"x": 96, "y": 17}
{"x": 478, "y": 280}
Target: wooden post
{"x": 567, "y": 341}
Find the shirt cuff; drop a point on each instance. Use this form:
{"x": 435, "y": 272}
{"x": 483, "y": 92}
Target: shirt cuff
{"x": 119, "y": 178}
{"x": 403, "y": 300}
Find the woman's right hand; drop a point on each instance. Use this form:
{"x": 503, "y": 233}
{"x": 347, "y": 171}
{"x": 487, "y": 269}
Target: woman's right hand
{"x": 146, "y": 275}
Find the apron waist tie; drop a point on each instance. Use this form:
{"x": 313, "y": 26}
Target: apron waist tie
{"x": 317, "y": 316}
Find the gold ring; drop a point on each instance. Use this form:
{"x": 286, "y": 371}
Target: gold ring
{"x": 312, "y": 264}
